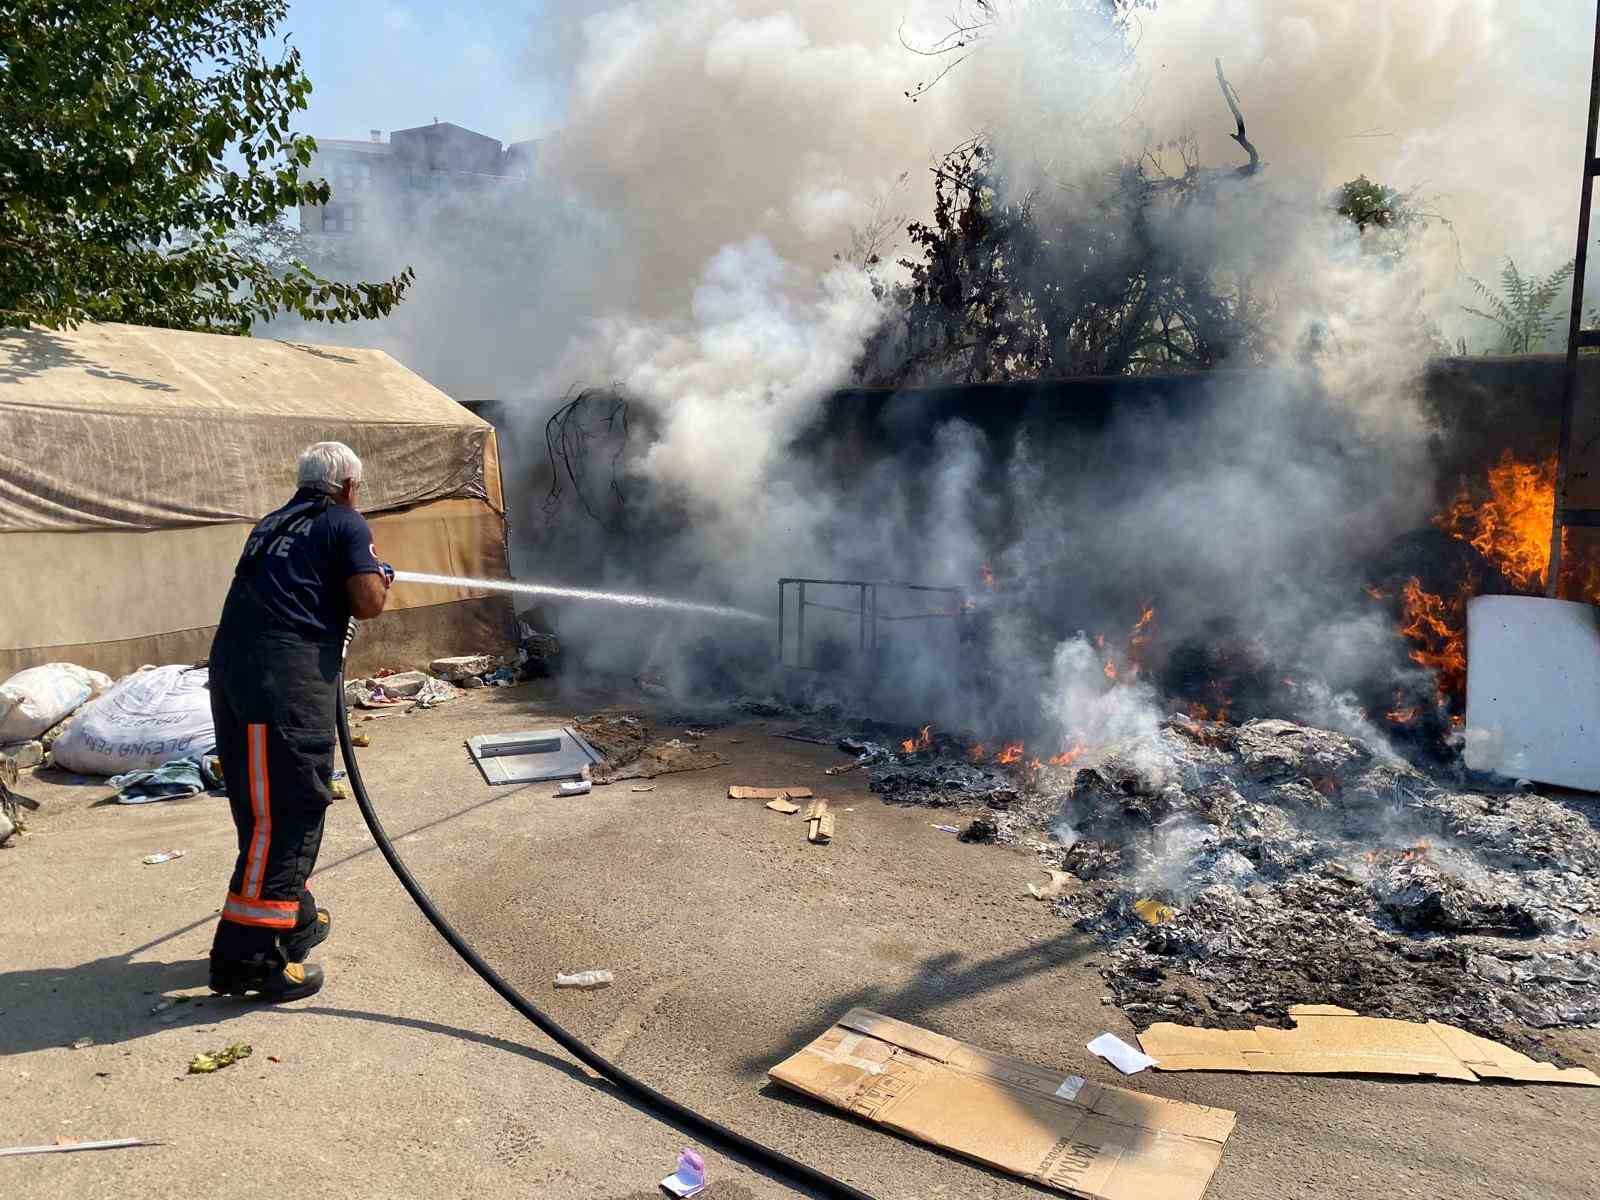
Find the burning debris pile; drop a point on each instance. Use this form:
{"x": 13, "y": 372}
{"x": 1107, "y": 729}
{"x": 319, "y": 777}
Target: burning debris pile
{"x": 1291, "y": 865}
{"x": 1234, "y": 871}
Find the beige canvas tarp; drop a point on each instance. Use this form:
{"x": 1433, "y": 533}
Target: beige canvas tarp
{"x": 125, "y": 427}
{"x": 133, "y": 462}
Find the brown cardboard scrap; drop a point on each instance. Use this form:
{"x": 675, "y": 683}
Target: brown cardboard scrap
{"x": 816, "y": 809}
{"x": 821, "y": 830}
{"x": 1061, "y": 1131}
{"x": 1328, "y": 1040}
{"x": 755, "y": 793}
{"x": 784, "y": 807}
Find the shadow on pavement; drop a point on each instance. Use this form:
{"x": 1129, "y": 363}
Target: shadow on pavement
{"x": 567, "y": 1067}
{"x": 941, "y": 979}
{"x": 109, "y": 999}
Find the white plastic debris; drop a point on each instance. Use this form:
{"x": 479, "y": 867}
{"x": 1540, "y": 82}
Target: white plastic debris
{"x": 584, "y": 979}
{"x": 576, "y": 787}
{"x": 154, "y": 860}
{"x": 690, "y": 1177}
{"x": 1120, "y": 1055}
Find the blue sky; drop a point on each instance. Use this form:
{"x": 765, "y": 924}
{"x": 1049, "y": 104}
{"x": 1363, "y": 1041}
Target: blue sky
{"x": 385, "y": 64}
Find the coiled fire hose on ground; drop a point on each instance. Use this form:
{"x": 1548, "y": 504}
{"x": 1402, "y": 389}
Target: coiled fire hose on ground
{"x": 665, "y": 1107}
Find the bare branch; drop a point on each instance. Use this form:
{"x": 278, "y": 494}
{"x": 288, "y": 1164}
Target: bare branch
{"x": 1232, "y": 98}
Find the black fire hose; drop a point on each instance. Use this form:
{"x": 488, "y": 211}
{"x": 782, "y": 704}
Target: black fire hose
{"x": 663, "y": 1106}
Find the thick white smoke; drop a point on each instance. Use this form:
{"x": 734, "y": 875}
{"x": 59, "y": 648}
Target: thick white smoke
{"x": 716, "y": 154}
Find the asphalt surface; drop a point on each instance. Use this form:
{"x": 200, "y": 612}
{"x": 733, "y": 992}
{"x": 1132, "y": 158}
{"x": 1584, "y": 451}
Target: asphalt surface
{"x": 733, "y": 942}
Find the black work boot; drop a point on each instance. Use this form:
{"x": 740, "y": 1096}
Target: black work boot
{"x": 298, "y": 945}
{"x": 294, "y": 981}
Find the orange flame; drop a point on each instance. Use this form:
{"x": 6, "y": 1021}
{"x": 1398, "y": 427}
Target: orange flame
{"x": 1512, "y": 527}
{"x": 1111, "y": 669}
{"x": 1012, "y": 753}
{"x": 1435, "y": 628}
{"x": 1067, "y": 757}
{"x": 977, "y": 753}
{"x": 1140, "y": 636}
{"x": 923, "y": 741}
{"x": 1403, "y": 713}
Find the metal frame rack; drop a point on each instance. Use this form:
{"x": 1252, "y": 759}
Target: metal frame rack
{"x": 868, "y": 612}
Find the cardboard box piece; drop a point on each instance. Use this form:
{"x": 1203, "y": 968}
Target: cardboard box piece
{"x": 1328, "y": 1040}
{"x": 755, "y": 793}
{"x": 1061, "y": 1131}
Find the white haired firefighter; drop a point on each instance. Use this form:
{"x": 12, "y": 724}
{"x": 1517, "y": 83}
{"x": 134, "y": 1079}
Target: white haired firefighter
{"x": 306, "y": 570}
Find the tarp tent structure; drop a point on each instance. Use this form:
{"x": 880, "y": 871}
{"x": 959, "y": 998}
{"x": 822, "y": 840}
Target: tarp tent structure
{"x": 133, "y": 462}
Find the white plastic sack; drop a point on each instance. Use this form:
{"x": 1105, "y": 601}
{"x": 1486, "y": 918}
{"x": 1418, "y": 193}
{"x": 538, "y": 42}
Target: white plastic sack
{"x": 32, "y": 701}
{"x": 147, "y": 718}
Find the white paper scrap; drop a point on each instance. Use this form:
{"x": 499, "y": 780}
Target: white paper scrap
{"x": 690, "y": 1177}
{"x": 1120, "y": 1055}
{"x": 1070, "y": 1087}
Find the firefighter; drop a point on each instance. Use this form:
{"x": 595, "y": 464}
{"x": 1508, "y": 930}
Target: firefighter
{"x": 275, "y": 664}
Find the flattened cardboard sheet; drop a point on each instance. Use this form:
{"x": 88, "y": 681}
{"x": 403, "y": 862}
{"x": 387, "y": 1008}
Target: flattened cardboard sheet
{"x": 1328, "y": 1040}
{"x": 1060, "y": 1131}
{"x": 755, "y": 793}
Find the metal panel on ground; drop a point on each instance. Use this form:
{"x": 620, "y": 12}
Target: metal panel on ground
{"x": 534, "y": 756}
{"x": 1533, "y": 689}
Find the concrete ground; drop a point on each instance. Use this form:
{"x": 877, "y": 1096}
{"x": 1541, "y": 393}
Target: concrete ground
{"x": 733, "y": 942}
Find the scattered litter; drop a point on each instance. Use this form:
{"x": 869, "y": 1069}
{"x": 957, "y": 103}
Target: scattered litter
{"x": 338, "y": 790}
{"x": 588, "y": 980}
{"x": 161, "y": 1007}
{"x": 843, "y": 769}
{"x": 459, "y": 669}
{"x": 83, "y": 1043}
{"x": 68, "y": 1147}
{"x": 576, "y": 787}
{"x": 755, "y": 793}
{"x": 690, "y": 1177}
{"x": 1059, "y": 884}
{"x": 273, "y": 1058}
{"x": 697, "y": 734}
{"x": 338, "y": 774}
{"x": 154, "y": 860}
{"x": 1120, "y": 1055}
{"x": 643, "y": 787}
{"x": 807, "y": 733}
{"x": 786, "y": 807}
{"x": 1153, "y": 912}
{"x": 1328, "y": 1040}
{"x": 23, "y": 755}
{"x": 982, "y": 830}
{"x": 360, "y": 739}
{"x": 205, "y": 1064}
{"x": 175, "y": 780}
{"x": 665, "y": 758}
{"x": 947, "y": 829}
{"x": 1056, "y": 1130}
{"x": 819, "y": 823}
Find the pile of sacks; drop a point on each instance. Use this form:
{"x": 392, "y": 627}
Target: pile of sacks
{"x": 80, "y": 721}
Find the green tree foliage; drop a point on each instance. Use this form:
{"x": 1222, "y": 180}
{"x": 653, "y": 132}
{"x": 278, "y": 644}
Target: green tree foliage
{"x": 118, "y": 121}
{"x": 1521, "y": 310}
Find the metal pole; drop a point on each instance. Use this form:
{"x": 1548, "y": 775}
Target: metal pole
{"x": 1569, "y": 383}
{"x": 861, "y": 634}
{"x": 780, "y": 623}
{"x": 800, "y": 631}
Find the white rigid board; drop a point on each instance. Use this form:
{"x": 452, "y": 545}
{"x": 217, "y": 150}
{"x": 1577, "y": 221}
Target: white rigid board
{"x": 1533, "y": 689}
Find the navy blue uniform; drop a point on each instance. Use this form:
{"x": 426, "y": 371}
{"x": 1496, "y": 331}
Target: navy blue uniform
{"x": 275, "y": 665}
